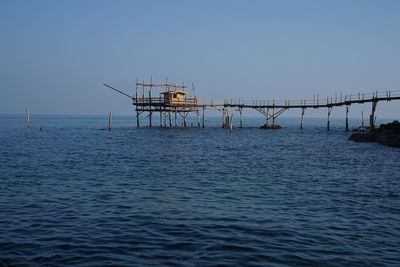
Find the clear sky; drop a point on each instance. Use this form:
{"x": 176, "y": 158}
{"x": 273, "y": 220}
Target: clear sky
{"x": 55, "y": 55}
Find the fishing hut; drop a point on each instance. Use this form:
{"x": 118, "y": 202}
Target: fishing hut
{"x": 172, "y": 103}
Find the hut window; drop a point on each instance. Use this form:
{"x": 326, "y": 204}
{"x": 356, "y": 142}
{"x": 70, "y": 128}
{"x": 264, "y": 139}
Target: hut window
{"x": 174, "y": 95}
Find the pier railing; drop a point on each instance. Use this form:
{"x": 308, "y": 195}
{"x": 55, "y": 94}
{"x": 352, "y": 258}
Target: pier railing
{"x": 318, "y": 101}
{"x": 162, "y": 101}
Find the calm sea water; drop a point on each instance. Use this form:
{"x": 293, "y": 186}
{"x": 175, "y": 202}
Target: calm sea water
{"x": 73, "y": 194}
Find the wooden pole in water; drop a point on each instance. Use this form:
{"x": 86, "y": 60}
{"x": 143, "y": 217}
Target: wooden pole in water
{"x": 231, "y": 123}
{"x": 241, "y": 117}
{"x": 110, "y": 121}
{"x": 204, "y": 117}
{"x": 170, "y": 119}
{"x": 198, "y": 119}
{"x": 28, "y": 121}
{"x": 176, "y": 120}
{"x": 303, "y": 110}
{"x": 362, "y": 119}
{"x": 184, "y": 119}
{"x": 223, "y": 117}
{"x": 136, "y": 101}
{"x": 372, "y": 117}
{"x": 328, "y": 122}
{"x": 150, "y": 112}
{"x": 347, "y": 118}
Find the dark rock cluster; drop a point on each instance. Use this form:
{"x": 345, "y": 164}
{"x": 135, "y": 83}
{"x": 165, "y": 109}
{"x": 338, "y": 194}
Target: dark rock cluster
{"x": 387, "y": 134}
{"x": 271, "y": 126}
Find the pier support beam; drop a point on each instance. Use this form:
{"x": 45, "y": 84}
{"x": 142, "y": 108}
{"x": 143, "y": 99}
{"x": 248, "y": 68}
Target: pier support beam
{"x": 150, "y": 117}
{"x": 273, "y": 116}
{"x": 204, "y": 117}
{"x": 223, "y": 118}
{"x": 137, "y": 118}
{"x": 372, "y": 116}
{"x": 198, "y": 119}
{"x": 150, "y": 112}
{"x": 303, "y": 110}
{"x": 329, "y": 115}
{"x": 184, "y": 116}
{"x": 241, "y": 117}
{"x": 347, "y": 118}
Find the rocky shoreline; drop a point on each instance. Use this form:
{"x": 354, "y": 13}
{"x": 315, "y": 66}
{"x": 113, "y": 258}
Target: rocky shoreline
{"x": 387, "y": 134}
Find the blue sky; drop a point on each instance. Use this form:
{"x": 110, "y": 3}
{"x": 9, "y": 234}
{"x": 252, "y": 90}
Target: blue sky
{"x": 55, "y": 55}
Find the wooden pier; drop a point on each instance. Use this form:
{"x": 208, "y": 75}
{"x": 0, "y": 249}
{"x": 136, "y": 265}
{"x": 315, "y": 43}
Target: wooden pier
{"x": 176, "y": 101}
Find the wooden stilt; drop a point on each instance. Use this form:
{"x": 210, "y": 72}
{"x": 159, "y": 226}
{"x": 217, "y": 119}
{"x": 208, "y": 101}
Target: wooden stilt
{"x": 362, "y": 119}
{"x": 184, "y": 120}
{"x": 28, "y": 121}
{"x": 273, "y": 116}
{"x": 160, "y": 119}
{"x": 329, "y": 115}
{"x": 204, "y": 117}
{"x": 176, "y": 120}
{"x": 223, "y": 117}
{"x": 170, "y": 119}
{"x": 110, "y": 121}
{"x": 372, "y": 117}
{"x": 150, "y": 112}
{"x": 198, "y": 119}
{"x": 303, "y": 110}
{"x": 241, "y": 117}
{"x": 137, "y": 118}
{"x": 347, "y": 118}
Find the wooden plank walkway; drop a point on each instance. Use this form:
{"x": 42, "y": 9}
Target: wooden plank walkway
{"x": 316, "y": 103}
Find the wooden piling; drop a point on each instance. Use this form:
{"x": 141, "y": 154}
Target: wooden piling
{"x": 329, "y": 115}
{"x": 241, "y": 117}
{"x": 372, "y": 117}
{"x": 150, "y": 111}
{"x": 184, "y": 120}
{"x": 347, "y": 118}
{"x": 28, "y": 121}
{"x": 204, "y": 117}
{"x": 362, "y": 119}
{"x": 110, "y": 121}
{"x": 223, "y": 118}
{"x": 136, "y": 100}
{"x": 198, "y": 119}
{"x": 176, "y": 120}
{"x": 303, "y": 110}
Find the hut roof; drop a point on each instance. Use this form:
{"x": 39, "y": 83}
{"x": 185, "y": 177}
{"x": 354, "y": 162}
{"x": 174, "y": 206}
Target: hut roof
{"x": 174, "y": 92}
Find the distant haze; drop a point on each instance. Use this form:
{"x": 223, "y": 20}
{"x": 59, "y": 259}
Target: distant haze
{"x": 55, "y": 55}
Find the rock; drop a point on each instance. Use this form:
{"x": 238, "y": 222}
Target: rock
{"x": 387, "y": 134}
{"x": 271, "y": 126}
{"x": 362, "y": 137}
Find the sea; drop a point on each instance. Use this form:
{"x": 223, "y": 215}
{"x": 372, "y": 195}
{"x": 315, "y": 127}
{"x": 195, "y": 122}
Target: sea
{"x": 74, "y": 194}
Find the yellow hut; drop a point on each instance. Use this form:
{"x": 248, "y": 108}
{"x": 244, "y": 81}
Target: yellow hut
{"x": 174, "y": 97}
